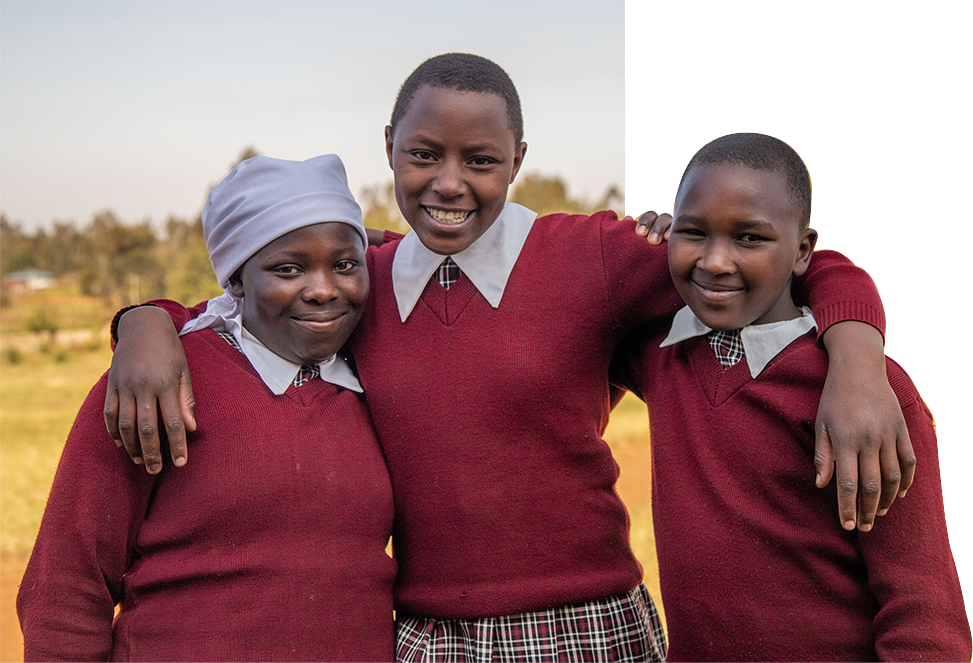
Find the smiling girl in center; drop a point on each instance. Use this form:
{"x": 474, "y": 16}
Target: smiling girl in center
{"x": 488, "y": 386}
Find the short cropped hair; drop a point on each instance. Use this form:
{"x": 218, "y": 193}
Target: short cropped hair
{"x": 761, "y": 152}
{"x": 464, "y": 72}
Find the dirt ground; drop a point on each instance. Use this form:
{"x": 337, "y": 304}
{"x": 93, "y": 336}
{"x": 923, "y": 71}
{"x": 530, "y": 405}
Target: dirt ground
{"x": 11, "y": 642}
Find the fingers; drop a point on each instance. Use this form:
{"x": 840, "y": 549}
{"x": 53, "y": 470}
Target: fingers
{"x": 111, "y": 414}
{"x": 126, "y": 418}
{"x": 907, "y": 460}
{"x": 177, "y": 417}
{"x": 148, "y": 435}
{"x": 869, "y": 468}
{"x": 891, "y": 478}
{"x": 654, "y": 226}
{"x": 846, "y": 477}
{"x": 823, "y": 457}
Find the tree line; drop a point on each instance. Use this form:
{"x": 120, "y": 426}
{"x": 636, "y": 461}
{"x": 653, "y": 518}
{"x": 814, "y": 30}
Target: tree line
{"x": 124, "y": 263}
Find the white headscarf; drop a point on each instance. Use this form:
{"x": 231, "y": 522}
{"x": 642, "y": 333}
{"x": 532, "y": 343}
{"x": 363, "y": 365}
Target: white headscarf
{"x": 263, "y": 198}
{"x": 260, "y": 200}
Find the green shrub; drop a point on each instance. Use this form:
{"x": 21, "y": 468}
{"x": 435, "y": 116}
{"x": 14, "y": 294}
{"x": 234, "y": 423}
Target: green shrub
{"x": 41, "y": 322}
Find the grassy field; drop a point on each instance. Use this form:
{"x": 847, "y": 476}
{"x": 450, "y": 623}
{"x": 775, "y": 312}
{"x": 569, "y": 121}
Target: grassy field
{"x": 40, "y": 395}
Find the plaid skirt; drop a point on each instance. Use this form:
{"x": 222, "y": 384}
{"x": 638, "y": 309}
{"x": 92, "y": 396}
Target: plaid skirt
{"x": 620, "y": 628}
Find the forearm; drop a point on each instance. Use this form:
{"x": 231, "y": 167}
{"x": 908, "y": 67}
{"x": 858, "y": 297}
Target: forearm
{"x": 153, "y": 313}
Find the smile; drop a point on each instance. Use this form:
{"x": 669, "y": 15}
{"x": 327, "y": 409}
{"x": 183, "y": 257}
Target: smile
{"x": 318, "y": 322}
{"x": 717, "y": 293}
{"x": 447, "y": 217}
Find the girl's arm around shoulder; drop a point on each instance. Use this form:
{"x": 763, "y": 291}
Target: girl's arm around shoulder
{"x": 74, "y": 578}
{"x": 149, "y": 378}
{"x": 910, "y": 566}
{"x": 860, "y": 435}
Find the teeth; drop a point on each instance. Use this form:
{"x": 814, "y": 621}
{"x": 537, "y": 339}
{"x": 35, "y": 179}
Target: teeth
{"x": 443, "y": 216}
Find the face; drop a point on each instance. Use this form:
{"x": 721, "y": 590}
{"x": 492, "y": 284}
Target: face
{"x": 735, "y": 243}
{"x": 304, "y": 292}
{"x": 453, "y": 156}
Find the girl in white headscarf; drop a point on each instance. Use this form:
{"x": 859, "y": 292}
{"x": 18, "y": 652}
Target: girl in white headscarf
{"x": 271, "y": 544}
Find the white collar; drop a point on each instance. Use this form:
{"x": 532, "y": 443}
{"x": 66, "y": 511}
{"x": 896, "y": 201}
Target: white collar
{"x": 487, "y": 262}
{"x": 761, "y": 343}
{"x": 223, "y": 314}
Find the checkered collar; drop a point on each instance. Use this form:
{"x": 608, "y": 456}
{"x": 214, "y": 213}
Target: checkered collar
{"x": 487, "y": 262}
{"x": 760, "y": 342}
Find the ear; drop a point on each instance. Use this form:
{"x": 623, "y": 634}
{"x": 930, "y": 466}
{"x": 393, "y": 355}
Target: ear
{"x": 808, "y": 239}
{"x": 388, "y": 144}
{"x": 235, "y": 288}
{"x": 518, "y": 160}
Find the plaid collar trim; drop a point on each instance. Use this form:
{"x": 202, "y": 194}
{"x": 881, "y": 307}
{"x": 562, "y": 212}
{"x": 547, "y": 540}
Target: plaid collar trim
{"x": 761, "y": 343}
{"x": 487, "y": 262}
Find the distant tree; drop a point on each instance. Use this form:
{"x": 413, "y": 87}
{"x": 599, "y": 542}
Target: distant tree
{"x": 547, "y": 194}
{"x": 122, "y": 264}
{"x": 379, "y": 209}
{"x": 189, "y": 274}
{"x": 16, "y": 248}
{"x": 62, "y": 250}
{"x": 248, "y": 153}
{"x": 613, "y": 199}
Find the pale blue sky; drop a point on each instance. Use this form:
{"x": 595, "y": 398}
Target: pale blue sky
{"x": 142, "y": 106}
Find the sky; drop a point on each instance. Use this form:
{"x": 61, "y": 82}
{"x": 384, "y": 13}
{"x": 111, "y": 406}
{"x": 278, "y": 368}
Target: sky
{"x": 875, "y": 97}
{"x": 141, "y": 107}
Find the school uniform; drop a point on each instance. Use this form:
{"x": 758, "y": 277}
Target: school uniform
{"x": 490, "y": 398}
{"x": 753, "y": 562}
{"x": 270, "y": 544}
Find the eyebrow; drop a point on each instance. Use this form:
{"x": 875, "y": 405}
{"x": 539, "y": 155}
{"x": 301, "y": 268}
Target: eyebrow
{"x": 749, "y": 223}
{"x": 427, "y": 141}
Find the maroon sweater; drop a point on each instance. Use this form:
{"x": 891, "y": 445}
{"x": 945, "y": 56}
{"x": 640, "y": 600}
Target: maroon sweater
{"x": 491, "y": 419}
{"x": 753, "y": 562}
{"x": 268, "y": 545}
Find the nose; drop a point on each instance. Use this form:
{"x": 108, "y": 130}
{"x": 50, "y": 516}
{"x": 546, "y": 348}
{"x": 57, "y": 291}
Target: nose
{"x": 449, "y": 181}
{"x": 716, "y": 258}
{"x": 320, "y": 287}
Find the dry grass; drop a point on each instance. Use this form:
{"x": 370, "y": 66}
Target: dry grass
{"x": 39, "y": 398}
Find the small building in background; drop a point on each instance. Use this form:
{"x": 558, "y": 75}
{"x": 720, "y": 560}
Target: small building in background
{"x": 29, "y": 280}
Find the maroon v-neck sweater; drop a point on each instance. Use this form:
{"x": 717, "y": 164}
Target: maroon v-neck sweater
{"x": 754, "y": 565}
{"x": 268, "y": 545}
{"x": 491, "y": 419}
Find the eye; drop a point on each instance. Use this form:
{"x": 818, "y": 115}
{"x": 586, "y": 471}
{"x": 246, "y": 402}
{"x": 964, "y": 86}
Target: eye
{"x": 688, "y": 232}
{"x": 482, "y": 161}
{"x": 423, "y": 155}
{"x": 345, "y": 266}
{"x": 750, "y": 238}
{"x": 286, "y": 270}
